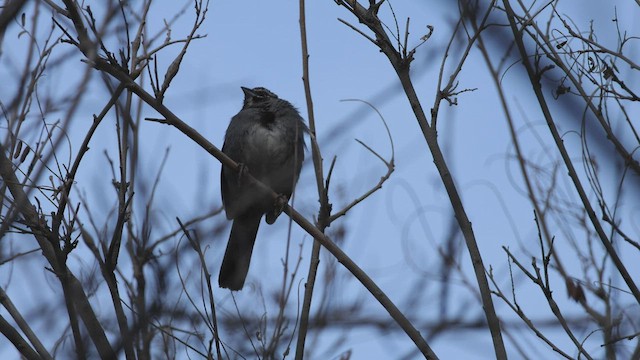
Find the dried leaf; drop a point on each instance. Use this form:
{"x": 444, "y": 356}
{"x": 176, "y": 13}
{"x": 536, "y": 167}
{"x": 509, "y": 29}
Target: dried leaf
{"x": 575, "y": 291}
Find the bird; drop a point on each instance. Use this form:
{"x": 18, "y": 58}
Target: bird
{"x": 266, "y": 139}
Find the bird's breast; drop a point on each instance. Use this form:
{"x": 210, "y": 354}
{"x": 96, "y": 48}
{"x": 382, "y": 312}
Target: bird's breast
{"x": 267, "y": 144}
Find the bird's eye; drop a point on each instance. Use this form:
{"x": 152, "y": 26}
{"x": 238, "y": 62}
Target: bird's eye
{"x": 261, "y": 97}
{"x": 263, "y": 94}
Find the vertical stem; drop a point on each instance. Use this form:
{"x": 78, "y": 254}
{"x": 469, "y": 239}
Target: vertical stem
{"x": 317, "y": 165}
{"x": 431, "y": 138}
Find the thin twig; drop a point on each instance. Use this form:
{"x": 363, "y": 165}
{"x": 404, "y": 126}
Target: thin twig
{"x": 322, "y": 191}
{"x": 389, "y": 164}
{"x": 195, "y": 244}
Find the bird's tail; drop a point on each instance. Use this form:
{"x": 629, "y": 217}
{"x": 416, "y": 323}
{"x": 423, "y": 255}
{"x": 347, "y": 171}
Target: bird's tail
{"x": 237, "y": 257}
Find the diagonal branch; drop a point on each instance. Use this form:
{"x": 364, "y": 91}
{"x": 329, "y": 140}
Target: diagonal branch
{"x": 74, "y": 294}
{"x": 401, "y": 66}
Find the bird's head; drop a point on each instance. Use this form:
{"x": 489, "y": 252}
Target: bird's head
{"x": 257, "y": 97}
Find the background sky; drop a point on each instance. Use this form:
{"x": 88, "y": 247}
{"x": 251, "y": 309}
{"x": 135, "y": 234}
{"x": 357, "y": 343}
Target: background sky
{"x": 394, "y": 234}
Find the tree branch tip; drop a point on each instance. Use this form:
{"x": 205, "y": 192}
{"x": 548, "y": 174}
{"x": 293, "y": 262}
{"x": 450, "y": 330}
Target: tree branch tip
{"x": 158, "y": 120}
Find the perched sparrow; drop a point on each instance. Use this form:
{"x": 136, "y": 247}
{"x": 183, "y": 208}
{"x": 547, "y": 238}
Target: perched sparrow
{"x": 265, "y": 138}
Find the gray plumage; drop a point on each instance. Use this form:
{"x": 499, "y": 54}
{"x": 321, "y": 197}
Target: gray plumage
{"x": 266, "y": 137}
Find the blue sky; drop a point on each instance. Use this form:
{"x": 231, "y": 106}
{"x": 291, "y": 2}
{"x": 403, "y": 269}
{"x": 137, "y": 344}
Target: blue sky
{"x": 394, "y": 234}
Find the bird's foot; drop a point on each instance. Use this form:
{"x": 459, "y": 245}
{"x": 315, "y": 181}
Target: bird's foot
{"x": 243, "y": 170}
{"x": 278, "y": 208}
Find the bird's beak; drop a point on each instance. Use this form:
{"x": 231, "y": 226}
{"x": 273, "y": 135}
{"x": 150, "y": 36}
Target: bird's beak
{"x": 247, "y": 92}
